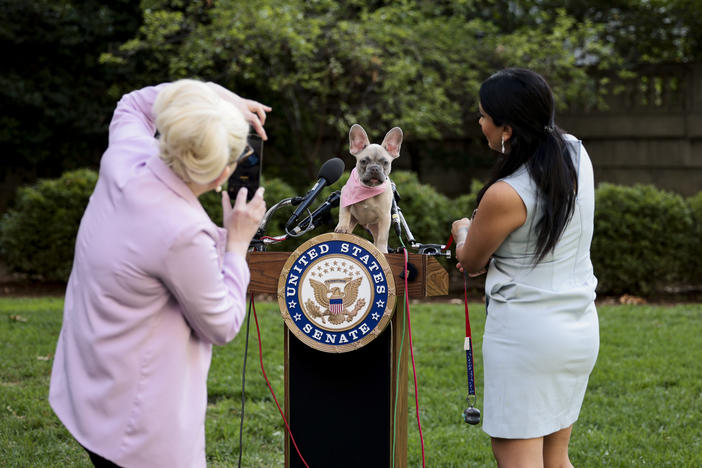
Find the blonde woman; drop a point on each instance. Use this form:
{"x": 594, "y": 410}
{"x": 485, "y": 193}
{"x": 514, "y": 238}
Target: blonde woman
{"x": 155, "y": 283}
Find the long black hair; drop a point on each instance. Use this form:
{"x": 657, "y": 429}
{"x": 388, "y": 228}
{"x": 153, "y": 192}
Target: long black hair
{"x": 523, "y": 100}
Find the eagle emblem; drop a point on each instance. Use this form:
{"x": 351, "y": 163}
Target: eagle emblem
{"x": 335, "y": 300}
{"x": 336, "y": 292}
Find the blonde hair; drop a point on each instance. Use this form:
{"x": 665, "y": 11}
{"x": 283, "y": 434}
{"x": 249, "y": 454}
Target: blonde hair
{"x": 199, "y": 131}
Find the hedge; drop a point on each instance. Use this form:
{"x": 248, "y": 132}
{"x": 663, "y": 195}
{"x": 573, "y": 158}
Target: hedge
{"x": 695, "y": 258}
{"x": 645, "y": 238}
{"x": 37, "y": 236}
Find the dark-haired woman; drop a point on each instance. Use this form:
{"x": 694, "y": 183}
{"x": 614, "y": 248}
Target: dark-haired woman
{"x": 532, "y": 229}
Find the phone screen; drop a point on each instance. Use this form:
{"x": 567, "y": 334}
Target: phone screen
{"x": 248, "y": 172}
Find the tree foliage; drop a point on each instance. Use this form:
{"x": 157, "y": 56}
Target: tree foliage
{"x": 641, "y": 31}
{"x": 322, "y": 64}
{"x": 53, "y": 97}
{"x": 52, "y": 84}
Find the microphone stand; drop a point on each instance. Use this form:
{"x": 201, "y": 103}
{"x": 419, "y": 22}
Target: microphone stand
{"x": 260, "y": 240}
{"x": 399, "y": 220}
{"x": 319, "y": 217}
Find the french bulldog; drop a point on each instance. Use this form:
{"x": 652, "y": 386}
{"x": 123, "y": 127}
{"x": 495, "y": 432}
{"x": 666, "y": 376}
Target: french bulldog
{"x": 366, "y": 199}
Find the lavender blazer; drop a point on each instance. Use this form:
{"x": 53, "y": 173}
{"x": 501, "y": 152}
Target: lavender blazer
{"x": 150, "y": 291}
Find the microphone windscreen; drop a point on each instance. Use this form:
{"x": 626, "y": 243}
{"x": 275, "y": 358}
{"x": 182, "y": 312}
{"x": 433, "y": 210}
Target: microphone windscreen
{"x": 331, "y": 170}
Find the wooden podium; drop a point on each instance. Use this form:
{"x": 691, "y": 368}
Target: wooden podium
{"x": 340, "y": 406}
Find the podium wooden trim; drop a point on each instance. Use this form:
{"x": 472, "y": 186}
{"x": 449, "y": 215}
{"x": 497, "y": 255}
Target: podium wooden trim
{"x": 431, "y": 280}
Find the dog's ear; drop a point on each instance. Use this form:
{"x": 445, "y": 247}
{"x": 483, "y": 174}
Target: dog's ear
{"x": 392, "y": 142}
{"x": 358, "y": 139}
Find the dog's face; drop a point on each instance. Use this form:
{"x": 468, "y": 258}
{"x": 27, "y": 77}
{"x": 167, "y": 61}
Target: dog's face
{"x": 373, "y": 162}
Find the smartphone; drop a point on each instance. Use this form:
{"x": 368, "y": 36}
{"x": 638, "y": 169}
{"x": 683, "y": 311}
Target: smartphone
{"x": 248, "y": 172}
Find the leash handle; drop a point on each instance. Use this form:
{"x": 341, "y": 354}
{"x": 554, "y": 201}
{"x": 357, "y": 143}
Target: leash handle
{"x": 468, "y": 343}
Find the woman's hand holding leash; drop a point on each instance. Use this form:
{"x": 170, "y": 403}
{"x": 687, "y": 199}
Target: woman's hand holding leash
{"x": 459, "y": 231}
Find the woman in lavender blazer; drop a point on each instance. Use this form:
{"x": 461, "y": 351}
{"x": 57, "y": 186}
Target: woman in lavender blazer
{"x": 155, "y": 283}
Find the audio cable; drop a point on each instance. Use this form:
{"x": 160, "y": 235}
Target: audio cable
{"x": 406, "y": 329}
{"x": 243, "y": 382}
{"x": 252, "y": 307}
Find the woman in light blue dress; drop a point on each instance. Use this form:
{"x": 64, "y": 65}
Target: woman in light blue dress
{"x": 533, "y": 229}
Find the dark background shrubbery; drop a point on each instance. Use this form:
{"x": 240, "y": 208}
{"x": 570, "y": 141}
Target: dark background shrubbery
{"x": 646, "y": 239}
{"x": 37, "y": 236}
{"x": 695, "y": 259}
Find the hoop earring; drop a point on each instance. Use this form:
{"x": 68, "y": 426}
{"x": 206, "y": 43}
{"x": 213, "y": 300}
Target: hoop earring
{"x": 503, "y": 144}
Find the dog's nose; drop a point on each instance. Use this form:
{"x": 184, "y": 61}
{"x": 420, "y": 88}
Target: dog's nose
{"x": 375, "y": 169}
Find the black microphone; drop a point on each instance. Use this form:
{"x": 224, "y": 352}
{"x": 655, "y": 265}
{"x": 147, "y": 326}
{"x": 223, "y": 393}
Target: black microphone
{"x": 321, "y": 215}
{"x": 328, "y": 174}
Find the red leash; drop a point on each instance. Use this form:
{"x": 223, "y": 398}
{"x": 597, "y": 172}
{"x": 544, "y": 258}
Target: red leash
{"x": 449, "y": 242}
{"x": 260, "y": 353}
{"x": 414, "y": 368}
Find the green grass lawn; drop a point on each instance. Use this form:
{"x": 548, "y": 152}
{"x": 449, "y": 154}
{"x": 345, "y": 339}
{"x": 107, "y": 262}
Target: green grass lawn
{"x": 643, "y": 406}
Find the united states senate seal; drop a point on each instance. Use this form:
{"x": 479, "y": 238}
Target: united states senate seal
{"x": 336, "y": 292}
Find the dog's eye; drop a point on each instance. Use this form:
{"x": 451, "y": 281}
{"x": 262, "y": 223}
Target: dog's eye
{"x": 364, "y": 161}
{"x": 385, "y": 163}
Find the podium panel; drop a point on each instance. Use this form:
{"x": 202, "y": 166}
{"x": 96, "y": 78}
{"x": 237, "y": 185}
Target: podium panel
{"x": 339, "y": 404}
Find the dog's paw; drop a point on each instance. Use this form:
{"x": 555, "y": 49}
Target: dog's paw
{"x": 341, "y": 229}
{"x": 382, "y": 247}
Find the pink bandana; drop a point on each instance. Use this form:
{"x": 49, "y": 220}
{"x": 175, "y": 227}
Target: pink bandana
{"x": 354, "y": 191}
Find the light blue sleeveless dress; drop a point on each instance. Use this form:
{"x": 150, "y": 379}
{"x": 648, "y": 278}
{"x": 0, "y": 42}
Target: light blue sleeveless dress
{"x": 542, "y": 334}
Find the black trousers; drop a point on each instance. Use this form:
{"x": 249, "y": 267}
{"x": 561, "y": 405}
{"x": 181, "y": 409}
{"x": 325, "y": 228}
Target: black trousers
{"x": 100, "y": 462}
